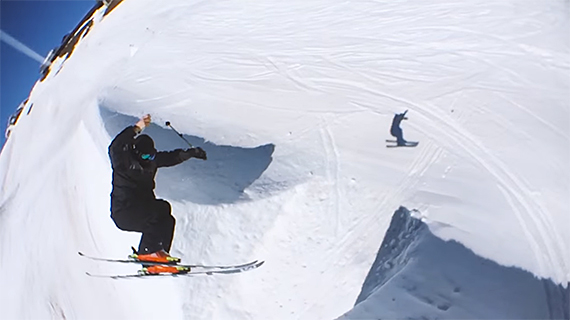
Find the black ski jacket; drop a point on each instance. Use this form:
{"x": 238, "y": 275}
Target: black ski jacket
{"x": 133, "y": 180}
{"x": 395, "y": 128}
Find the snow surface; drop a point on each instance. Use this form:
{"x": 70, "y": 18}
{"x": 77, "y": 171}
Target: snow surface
{"x": 293, "y": 100}
{"x": 463, "y": 286}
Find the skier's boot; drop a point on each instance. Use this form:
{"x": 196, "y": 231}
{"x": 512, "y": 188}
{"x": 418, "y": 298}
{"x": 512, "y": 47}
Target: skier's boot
{"x": 159, "y": 256}
{"x": 158, "y": 269}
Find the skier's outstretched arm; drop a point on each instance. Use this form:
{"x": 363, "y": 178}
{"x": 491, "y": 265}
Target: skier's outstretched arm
{"x": 172, "y": 158}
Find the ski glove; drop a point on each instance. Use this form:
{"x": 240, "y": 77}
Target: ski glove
{"x": 193, "y": 153}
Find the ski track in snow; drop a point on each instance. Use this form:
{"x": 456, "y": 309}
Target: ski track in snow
{"x": 429, "y": 153}
{"x": 511, "y": 186}
{"x": 537, "y": 117}
{"x": 333, "y": 170}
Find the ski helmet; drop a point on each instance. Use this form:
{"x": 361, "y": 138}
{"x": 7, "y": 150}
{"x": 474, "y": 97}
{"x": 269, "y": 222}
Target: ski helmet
{"x": 144, "y": 145}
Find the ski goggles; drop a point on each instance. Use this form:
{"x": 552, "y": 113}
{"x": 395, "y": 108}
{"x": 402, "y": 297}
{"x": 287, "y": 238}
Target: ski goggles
{"x": 146, "y": 156}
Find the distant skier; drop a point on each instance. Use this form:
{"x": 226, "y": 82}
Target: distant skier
{"x": 396, "y": 131}
{"x": 134, "y": 206}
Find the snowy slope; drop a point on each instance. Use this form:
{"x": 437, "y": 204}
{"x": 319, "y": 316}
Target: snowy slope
{"x": 293, "y": 101}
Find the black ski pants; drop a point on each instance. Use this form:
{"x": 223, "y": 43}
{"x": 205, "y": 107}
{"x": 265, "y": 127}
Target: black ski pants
{"x": 152, "y": 218}
{"x": 397, "y": 132}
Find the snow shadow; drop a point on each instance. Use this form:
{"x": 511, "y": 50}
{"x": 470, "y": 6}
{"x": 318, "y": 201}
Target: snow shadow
{"x": 416, "y": 275}
{"x": 221, "y": 179}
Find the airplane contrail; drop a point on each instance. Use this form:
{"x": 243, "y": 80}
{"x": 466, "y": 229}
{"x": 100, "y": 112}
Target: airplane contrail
{"x": 20, "y": 47}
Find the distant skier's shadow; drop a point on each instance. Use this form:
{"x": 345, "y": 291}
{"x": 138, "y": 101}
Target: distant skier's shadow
{"x": 221, "y": 179}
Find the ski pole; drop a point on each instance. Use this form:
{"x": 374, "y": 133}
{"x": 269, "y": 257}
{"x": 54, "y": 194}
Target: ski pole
{"x": 179, "y": 134}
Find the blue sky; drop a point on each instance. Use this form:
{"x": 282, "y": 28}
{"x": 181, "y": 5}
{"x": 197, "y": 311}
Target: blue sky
{"x": 40, "y": 25}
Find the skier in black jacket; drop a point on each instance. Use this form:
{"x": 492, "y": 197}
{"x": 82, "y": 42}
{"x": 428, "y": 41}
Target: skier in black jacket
{"x": 395, "y": 129}
{"x": 134, "y": 206}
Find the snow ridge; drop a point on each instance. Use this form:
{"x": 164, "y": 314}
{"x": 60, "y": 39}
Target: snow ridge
{"x": 419, "y": 276}
{"x": 402, "y": 234}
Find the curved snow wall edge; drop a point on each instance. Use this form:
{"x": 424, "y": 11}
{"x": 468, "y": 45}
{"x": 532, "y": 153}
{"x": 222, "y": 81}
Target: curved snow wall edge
{"x": 222, "y": 179}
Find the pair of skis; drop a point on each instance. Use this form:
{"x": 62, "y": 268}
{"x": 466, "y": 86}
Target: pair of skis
{"x": 393, "y": 144}
{"x": 187, "y": 269}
